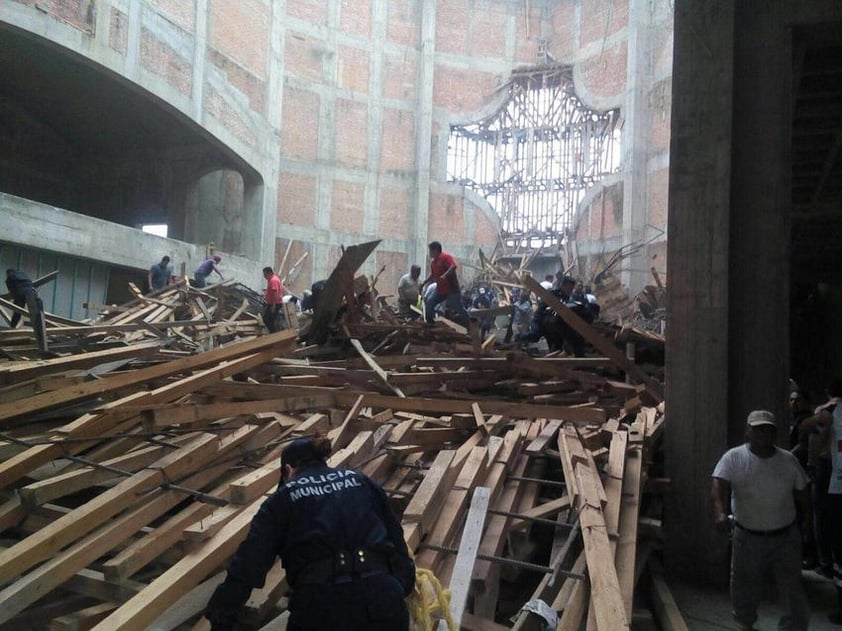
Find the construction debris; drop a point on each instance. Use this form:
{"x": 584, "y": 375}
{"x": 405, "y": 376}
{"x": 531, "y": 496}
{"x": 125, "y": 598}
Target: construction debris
{"x": 132, "y": 465}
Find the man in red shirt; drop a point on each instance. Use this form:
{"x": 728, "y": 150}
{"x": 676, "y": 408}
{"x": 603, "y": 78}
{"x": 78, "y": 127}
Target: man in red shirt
{"x": 274, "y": 299}
{"x": 443, "y": 273}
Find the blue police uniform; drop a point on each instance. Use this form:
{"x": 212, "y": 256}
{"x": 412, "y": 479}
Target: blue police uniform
{"x": 342, "y": 548}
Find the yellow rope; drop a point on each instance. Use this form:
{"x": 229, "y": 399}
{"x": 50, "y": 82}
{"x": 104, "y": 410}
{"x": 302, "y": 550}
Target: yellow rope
{"x": 429, "y": 598}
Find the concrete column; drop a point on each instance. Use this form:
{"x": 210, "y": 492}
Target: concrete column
{"x": 758, "y": 314}
{"x": 133, "y": 39}
{"x": 371, "y": 216}
{"x": 199, "y": 46}
{"x": 697, "y": 342}
{"x": 636, "y": 142}
{"x": 424, "y": 130}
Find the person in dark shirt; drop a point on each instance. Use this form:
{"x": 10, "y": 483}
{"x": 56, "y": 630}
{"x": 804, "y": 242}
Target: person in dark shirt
{"x": 23, "y": 293}
{"x": 340, "y": 543}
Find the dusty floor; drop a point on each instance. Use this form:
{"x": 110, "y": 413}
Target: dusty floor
{"x": 708, "y": 608}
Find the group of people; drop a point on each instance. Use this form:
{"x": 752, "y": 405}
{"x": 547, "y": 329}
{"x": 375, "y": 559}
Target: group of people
{"x": 441, "y": 286}
{"x": 530, "y": 325}
{"x": 782, "y": 501}
{"x": 160, "y": 276}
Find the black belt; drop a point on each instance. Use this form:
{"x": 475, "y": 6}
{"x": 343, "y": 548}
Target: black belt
{"x": 764, "y": 533}
{"x": 344, "y": 565}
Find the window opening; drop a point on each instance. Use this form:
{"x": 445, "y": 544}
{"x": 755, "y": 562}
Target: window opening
{"x": 155, "y": 228}
{"x": 534, "y": 158}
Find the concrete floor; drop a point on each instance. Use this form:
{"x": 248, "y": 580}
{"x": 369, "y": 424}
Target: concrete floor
{"x": 709, "y": 609}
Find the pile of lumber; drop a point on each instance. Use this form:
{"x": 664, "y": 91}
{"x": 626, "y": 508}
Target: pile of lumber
{"x": 178, "y": 319}
{"x": 522, "y": 482}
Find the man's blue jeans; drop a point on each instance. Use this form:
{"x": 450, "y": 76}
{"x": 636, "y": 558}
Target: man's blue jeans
{"x": 454, "y": 303}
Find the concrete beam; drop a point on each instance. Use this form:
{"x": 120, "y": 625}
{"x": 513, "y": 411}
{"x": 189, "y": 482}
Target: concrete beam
{"x": 44, "y": 227}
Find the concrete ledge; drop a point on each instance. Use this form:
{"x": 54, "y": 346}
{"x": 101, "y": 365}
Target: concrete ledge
{"x": 57, "y": 230}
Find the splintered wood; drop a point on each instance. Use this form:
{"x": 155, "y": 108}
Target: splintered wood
{"x": 129, "y": 478}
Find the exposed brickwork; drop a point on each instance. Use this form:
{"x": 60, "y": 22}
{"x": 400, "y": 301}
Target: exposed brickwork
{"x": 225, "y": 113}
{"x": 602, "y": 18}
{"x": 528, "y": 35}
{"x": 660, "y": 100}
{"x": 656, "y": 256}
{"x": 355, "y": 17}
{"x": 395, "y": 211}
{"x": 353, "y": 69}
{"x": 296, "y": 199}
{"x": 159, "y": 58}
{"x": 604, "y": 217}
{"x": 605, "y": 74}
{"x": 313, "y": 11}
{"x": 400, "y": 78}
{"x": 460, "y": 90}
{"x": 300, "y": 124}
{"x": 351, "y": 133}
{"x": 240, "y": 30}
{"x": 397, "y": 149}
{"x": 303, "y": 57}
{"x": 658, "y": 192}
{"x": 347, "y": 209}
{"x": 563, "y": 31}
{"x": 302, "y": 279}
{"x": 178, "y": 11}
{"x": 119, "y": 31}
{"x": 80, "y": 14}
{"x": 452, "y": 26}
{"x": 240, "y": 78}
{"x": 396, "y": 264}
{"x": 488, "y": 29}
{"x": 447, "y": 222}
{"x": 485, "y": 235}
{"x": 403, "y": 19}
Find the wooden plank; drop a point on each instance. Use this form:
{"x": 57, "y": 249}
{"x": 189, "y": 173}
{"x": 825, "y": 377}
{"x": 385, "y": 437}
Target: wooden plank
{"x": 427, "y": 501}
{"x": 20, "y": 371}
{"x": 460, "y": 582}
{"x": 547, "y": 434}
{"x": 340, "y": 279}
{"x": 629, "y": 513}
{"x": 98, "y": 423}
{"x": 541, "y": 511}
{"x": 599, "y": 342}
{"x": 375, "y": 367}
{"x": 137, "y": 613}
{"x": 606, "y": 597}
{"x": 49, "y": 540}
{"x": 666, "y": 609}
{"x": 61, "y": 566}
{"x": 280, "y": 342}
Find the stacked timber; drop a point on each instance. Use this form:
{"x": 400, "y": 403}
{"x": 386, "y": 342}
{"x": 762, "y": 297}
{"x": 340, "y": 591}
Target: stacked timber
{"x": 520, "y": 482}
{"x": 177, "y": 319}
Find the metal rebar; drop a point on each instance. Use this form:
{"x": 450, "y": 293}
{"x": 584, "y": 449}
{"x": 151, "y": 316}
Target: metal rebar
{"x": 523, "y": 565}
{"x": 538, "y": 480}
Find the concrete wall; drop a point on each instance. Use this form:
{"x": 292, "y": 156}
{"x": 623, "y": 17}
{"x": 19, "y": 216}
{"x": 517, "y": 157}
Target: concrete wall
{"x": 621, "y": 51}
{"x": 343, "y": 107}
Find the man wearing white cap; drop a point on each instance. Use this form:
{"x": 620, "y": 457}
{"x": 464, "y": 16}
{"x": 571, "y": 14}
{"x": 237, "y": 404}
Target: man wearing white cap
{"x": 765, "y": 483}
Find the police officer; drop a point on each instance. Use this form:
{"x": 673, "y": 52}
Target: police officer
{"x": 339, "y": 541}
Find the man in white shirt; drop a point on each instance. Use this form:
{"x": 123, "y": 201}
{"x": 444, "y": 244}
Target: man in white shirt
{"x": 409, "y": 287}
{"x": 765, "y": 483}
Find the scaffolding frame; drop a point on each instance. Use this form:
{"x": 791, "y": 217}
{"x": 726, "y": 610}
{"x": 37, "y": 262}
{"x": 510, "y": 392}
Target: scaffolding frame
{"x": 536, "y": 155}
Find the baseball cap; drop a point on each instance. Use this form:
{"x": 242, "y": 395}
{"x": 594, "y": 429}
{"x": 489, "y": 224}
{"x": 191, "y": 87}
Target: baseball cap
{"x": 757, "y": 418}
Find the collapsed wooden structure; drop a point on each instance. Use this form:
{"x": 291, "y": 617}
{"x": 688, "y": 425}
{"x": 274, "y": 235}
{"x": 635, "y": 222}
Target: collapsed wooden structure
{"x": 130, "y": 478}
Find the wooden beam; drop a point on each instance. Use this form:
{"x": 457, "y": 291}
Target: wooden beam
{"x": 137, "y": 613}
{"x": 460, "y": 582}
{"x": 600, "y": 343}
